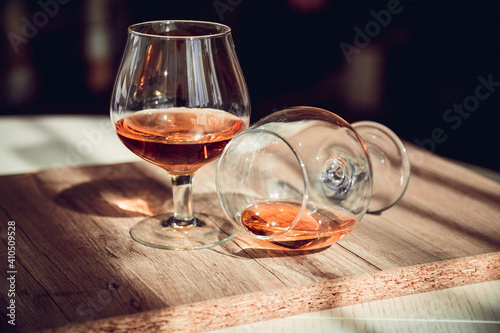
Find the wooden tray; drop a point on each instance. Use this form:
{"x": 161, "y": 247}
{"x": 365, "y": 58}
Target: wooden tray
{"x": 77, "y": 268}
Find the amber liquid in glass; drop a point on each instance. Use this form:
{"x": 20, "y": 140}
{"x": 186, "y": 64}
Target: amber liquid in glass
{"x": 180, "y": 140}
{"x": 315, "y": 228}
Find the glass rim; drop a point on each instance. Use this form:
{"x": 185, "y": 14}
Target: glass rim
{"x": 301, "y": 164}
{"x": 225, "y": 30}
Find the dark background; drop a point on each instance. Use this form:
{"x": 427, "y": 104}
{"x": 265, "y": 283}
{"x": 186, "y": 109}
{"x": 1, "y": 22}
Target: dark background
{"x": 427, "y": 58}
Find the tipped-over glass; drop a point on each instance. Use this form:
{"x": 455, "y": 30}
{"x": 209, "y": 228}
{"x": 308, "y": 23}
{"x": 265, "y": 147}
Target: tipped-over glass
{"x": 179, "y": 97}
{"x": 302, "y": 178}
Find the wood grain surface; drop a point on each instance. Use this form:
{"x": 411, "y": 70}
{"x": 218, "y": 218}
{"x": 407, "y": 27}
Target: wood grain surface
{"x": 463, "y": 309}
{"x": 79, "y": 270}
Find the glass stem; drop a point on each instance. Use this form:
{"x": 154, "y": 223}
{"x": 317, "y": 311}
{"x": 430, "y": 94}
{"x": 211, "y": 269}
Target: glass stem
{"x": 182, "y": 187}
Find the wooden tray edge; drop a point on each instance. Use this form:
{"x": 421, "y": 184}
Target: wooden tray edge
{"x": 245, "y": 309}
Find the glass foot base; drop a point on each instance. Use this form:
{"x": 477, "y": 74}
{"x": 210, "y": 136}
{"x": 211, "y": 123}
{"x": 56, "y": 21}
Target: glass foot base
{"x": 390, "y": 163}
{"x": 209, "y": 231}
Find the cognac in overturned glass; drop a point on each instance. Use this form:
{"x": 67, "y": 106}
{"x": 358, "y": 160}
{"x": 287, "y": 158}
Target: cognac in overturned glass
{"x": 302, "y": 178}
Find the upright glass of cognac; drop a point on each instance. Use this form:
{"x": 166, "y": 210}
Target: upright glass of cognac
{"x": 179, "y": 98}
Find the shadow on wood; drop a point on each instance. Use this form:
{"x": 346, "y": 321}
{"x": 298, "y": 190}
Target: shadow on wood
{"x": 257, "y": 253}
{"x": 117, "y": 198}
